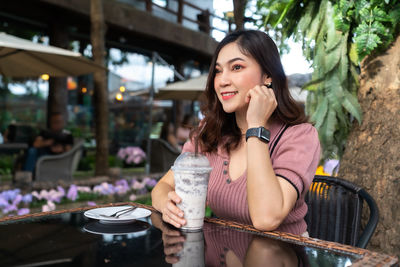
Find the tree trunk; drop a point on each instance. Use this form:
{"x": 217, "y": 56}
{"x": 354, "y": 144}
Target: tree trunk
{"x": 100, "y": 87}
{"x": 372, "y": 155}
{"x": 239, "y": 6}
{"x": 57, "y": 99}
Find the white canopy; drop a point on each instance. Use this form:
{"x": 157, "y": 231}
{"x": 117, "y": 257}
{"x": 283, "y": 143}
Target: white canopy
{"x": 23, "y": 58}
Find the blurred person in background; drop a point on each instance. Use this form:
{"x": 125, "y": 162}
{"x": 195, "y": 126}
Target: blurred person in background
{"x": 52, "y": 141}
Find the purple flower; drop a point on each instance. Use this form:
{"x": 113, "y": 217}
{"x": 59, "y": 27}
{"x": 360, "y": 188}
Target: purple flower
{"x": 61, "y": 190}
{"x": 121, "y": 186}
{"x": 72, "y": 192}
{"x": 9, "y": 208}
{"x": 122, "y": 182}
{"x": 91, "y": 203}
{"x": 121, "y": 153}
{"x": 3, "y": 202}
{"x": 150, "y": 182}
{"x": 9, "y": 195}
{"x": 17, "y": 200}
{"x": 331, "y": 166}
{"x": 104, "y": 189}
{"x": 27, "y": 198}
{"x": 23, "y": 211}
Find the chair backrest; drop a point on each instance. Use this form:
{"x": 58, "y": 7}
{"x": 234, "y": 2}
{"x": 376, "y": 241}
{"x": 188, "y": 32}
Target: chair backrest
{"x": 59, "y": 167}
{"x": 163, "y": 155}
{"x": 334, "y": 211}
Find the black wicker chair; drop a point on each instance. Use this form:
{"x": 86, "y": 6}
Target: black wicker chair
{"x": 163, "y": 156}
{"x": 334, "y": 211}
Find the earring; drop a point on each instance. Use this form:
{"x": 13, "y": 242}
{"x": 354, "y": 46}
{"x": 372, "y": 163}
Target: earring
{"x": 269, "y": 85}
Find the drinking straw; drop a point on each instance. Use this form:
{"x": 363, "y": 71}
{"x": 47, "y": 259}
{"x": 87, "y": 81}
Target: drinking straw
{"x": 196, "y": 144}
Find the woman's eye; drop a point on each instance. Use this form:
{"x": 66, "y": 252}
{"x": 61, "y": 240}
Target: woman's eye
{"x": 236, "y": 67}
{"x": 217, "y": 71}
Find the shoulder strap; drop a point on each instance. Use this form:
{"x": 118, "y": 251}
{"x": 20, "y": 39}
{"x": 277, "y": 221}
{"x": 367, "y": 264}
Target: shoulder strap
{"x": 277, "y": 140}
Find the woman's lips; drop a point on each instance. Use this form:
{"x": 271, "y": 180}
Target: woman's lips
{"x": 228, "y": 95}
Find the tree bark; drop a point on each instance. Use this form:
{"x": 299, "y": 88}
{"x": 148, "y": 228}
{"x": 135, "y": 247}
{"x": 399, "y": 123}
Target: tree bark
{"x": 372, "y": 155}
{"x": 239, "y": 6}
{"x": 100, "y": 87}
{"x": 57, "y": 99}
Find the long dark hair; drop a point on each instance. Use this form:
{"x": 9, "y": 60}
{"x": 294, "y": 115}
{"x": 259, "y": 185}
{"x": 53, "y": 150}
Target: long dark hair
{"x": 220, "y": 128}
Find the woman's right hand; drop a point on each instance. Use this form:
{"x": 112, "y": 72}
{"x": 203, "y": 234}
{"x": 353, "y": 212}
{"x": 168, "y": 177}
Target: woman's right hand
{"x": 171, "y": 213}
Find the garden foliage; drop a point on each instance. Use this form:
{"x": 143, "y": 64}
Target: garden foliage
{"x": 336, "y": 36}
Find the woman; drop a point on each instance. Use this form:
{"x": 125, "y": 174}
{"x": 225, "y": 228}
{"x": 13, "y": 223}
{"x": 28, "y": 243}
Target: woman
{"x": 263, "y": 152}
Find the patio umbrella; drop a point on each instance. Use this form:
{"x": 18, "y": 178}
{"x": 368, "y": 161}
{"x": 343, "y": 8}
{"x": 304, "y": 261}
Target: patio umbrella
{"x": 23, "y": 58}
{"x": 184, "y": 90}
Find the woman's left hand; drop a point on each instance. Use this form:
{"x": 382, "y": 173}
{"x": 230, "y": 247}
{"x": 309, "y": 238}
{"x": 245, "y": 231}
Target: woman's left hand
{"x": 262, "y": 103}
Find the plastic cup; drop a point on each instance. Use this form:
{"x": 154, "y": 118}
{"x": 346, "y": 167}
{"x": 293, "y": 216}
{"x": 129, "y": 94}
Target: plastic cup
{"x": 192, "y": 254}
{"x": 191, "y": 174}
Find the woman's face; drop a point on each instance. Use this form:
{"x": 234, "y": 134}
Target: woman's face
{"x": 235, "y": 75}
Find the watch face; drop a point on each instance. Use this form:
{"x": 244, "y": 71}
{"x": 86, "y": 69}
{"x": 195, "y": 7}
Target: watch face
{"x": 264, "y": 138}
{"x": 265, "y": 134}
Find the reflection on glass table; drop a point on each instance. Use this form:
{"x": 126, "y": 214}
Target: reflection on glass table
{"x": 230, "y": 247}
{"x": 68, "y": 238}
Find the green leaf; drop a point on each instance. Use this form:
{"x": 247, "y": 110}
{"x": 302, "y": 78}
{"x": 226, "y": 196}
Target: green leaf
{"x": 313, "y": 84}
{"x": 320, "y": 113}
{"x": 328, "y": 127}
{"x": 380, "y": 15}
{"x": 332, "y": 59}
{"x": 287, "y": 7}
{"x": 366, "y": 40}
{"x": 314, "y": 28}
{"x": 353, "y": 54}
{"x": 332, "y": 37}
{"x": 306, "y": 19}
{"x": 350, "y": 103}
{"x": 354, "y": 74}
{"x": 366, "y": 15}
{"x": 344, "y": 61}
{"x": 394, "y": 15}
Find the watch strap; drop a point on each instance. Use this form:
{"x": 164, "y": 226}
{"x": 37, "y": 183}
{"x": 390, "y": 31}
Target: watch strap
{"x": 260, "y": 132}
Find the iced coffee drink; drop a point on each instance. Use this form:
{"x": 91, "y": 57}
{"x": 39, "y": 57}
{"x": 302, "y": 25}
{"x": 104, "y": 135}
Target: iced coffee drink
{"x": 191, "y": 173}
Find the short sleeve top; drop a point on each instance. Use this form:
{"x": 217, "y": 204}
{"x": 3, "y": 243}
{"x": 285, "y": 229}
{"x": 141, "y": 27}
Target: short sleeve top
{"x": 295, "y": 154}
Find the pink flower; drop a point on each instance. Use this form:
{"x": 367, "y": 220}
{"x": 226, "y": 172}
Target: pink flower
{"x": 132, "y": 154}
{"x": 137, "y": 185}
{"x": 132, "y": 197}
{"x": 36, "y": 195}
{"x": 43, "y": 194}
{"x": 85, "y": 189}
{"x": 49, "y": 206}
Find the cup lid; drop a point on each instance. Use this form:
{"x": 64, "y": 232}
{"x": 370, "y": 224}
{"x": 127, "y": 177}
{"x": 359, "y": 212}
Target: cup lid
{"x": 190, "y": 161}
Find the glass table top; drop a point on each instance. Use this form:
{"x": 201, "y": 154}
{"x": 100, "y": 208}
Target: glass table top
{"x": 71, "y": 239}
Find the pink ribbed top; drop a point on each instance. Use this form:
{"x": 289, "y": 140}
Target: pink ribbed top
{"x": 295, "y": 158}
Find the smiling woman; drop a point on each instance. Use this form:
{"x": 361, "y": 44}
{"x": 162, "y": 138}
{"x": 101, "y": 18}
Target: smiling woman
{"x": 263, "y": 151}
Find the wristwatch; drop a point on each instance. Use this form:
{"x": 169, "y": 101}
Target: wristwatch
{"x": 260, "y": 132}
